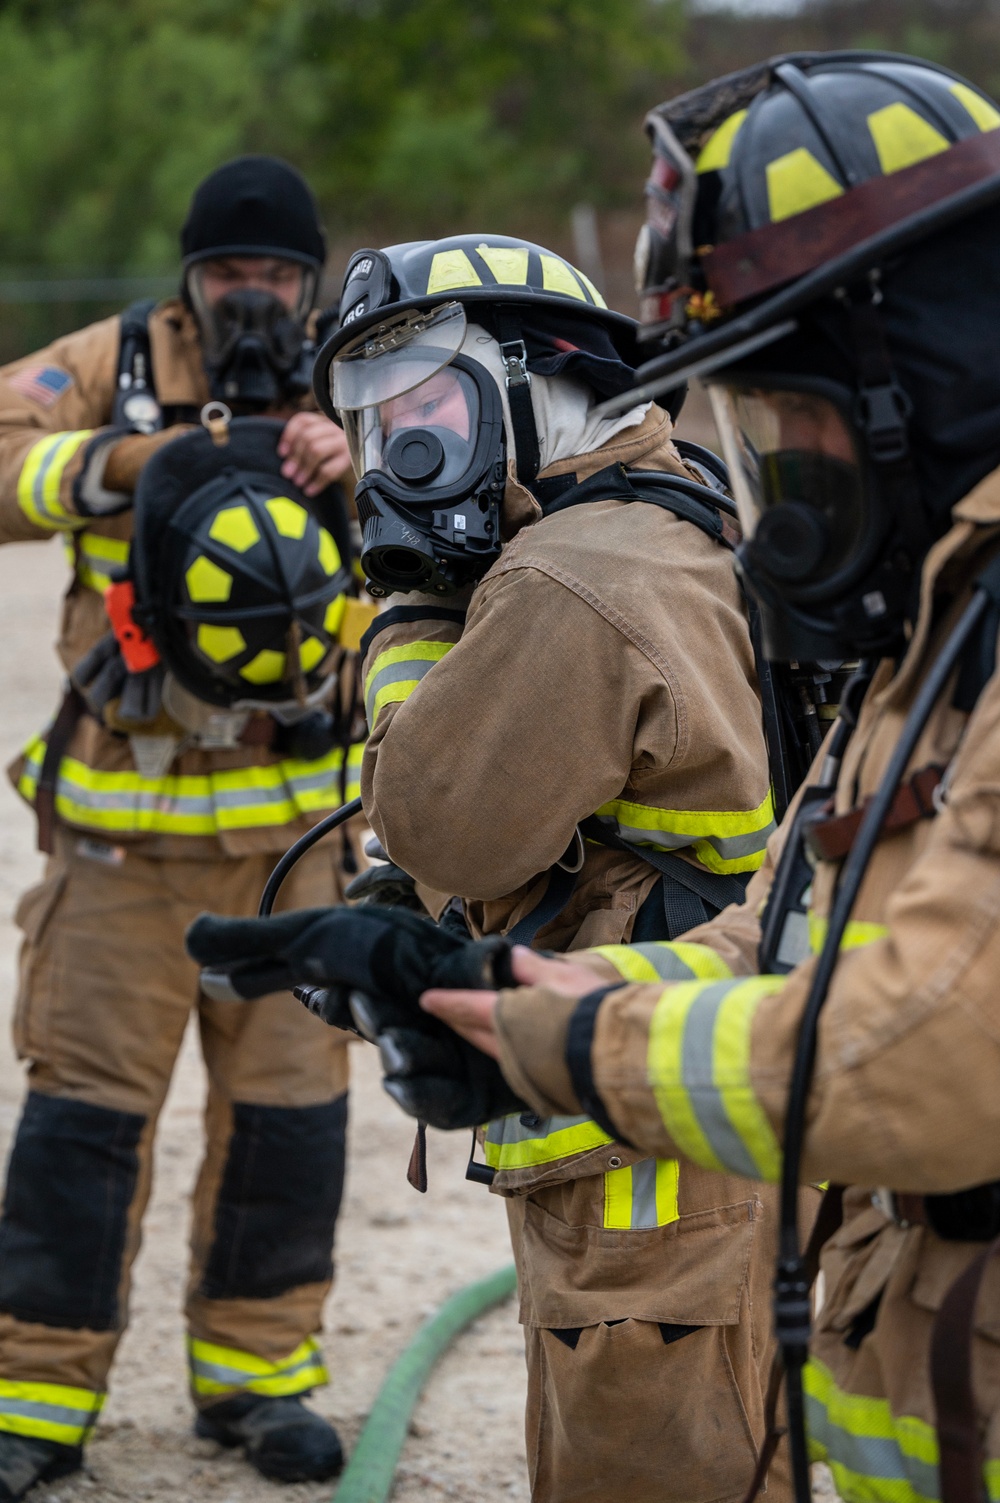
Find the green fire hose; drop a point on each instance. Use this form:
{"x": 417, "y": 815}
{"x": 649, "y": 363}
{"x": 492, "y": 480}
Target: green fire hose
{"x": 369, "y": 1475}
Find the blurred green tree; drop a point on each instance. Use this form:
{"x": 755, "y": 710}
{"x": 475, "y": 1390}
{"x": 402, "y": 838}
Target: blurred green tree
{"x": 409, "y": 116}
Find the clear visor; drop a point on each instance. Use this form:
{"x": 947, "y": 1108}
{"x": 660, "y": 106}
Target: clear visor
{"x": 425, "y": 436}
{"x": 392, "y": 358}
{"x": 291, "y": 283}
{"x": 796, "y": 450}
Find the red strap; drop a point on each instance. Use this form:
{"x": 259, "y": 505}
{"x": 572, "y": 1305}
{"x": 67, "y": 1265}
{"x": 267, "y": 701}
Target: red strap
{"x": 830, "y": 836}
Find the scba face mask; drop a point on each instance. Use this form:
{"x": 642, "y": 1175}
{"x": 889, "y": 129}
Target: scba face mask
{"x": 255, "y": 346}
{"x": 818, "y": 537}
{"x": 426, "y": 433}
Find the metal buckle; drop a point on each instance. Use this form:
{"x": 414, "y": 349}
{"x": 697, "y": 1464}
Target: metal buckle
{"x": 515, "y": 362}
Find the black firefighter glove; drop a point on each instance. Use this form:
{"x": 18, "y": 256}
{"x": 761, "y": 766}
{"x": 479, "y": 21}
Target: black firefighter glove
{"x": 364, "y": 969}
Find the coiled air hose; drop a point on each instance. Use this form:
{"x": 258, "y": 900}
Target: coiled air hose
{"x": 369, "y": 1474}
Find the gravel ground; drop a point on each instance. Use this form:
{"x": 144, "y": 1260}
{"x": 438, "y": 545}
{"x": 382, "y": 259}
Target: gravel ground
{"x": 399, "y": 1254}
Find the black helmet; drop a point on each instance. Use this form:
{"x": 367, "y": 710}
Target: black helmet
{"x": 254, "y": 206}
{"x": 239, "y": 579}
{"x": 517, "y": 290}
{"x": 821, "y": 245}
{"x": 773, "y": 186}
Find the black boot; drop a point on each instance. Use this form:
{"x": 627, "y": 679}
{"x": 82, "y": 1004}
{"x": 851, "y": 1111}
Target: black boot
{"x": 25, "y": 1461}
{"x": 281, "y": 1437}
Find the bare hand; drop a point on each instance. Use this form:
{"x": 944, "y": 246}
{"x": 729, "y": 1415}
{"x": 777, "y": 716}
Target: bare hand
{"x": 472, "y": 1013}
{"x": 315, "y": 452}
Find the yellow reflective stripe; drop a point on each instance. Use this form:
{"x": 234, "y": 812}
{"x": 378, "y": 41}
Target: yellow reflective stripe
{"x": 355, "y": 756}
{"x": 522, "y": 1153}
{"x": 641, "y": 1196}
{"x": 396, "y": 672}
{"x": 239, "y": 798}
{"x": 451, "y": 269}
{"x": 509, "y": 264}
{"x": 874, "y": 1455}
{"x": 223, "y": 1369}
{"x": 618, "y": 1198}
{"x": 49, "y": 1411}
{"x": 95, "y": 558}
{"x": 731, "y": 1071}
{"x": 668, "y": 1173}
{"x": 726, "y": 841}
{"x": 855, "y": 937}
{"x": 40, "y": 480}
{"x": 662, "y": 960}
{"x": 698, "y": 1065}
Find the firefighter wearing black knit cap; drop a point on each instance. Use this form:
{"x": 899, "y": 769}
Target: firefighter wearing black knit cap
{"x": 147, "y": 824}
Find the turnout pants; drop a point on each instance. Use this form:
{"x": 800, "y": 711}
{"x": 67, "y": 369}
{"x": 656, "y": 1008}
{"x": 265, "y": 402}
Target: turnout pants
{"x": 646, "y": 1301}
{"x": 106, "y": 991}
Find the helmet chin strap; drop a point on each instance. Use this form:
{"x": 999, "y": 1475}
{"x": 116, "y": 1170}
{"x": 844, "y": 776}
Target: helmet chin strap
{"x": 527, "y": 454}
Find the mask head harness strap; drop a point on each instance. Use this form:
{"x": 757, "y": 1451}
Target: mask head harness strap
{"x": 518, "y": 382}
{"x": 882, "y": 412}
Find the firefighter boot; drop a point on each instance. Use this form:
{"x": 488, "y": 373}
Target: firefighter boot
{"x": 281, "y": 1437}
{"x": 25, "y": 1461}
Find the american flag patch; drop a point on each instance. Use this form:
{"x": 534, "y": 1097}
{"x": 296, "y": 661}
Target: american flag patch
{"x": 44, "y": 384}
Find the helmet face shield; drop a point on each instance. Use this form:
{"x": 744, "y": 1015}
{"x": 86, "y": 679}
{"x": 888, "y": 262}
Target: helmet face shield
{"x": 800, "y": 482}
{"x": 393, "y": 357}
{"x": 427, "y": 436}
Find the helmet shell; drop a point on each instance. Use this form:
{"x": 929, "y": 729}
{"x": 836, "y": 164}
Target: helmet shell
{"x": 484, "y": 271}
{"x": 236, "y": 571}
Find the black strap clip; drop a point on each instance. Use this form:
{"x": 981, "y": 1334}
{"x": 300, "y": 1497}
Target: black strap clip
{"x": 883, "y": 412}
{"x": 515, "y": 361}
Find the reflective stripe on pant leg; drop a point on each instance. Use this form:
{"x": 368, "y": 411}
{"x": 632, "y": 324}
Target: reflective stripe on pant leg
{"x": 278, "y": 1201}
{"x": 875, "y": 1456}
{"x": 71, "y": 1179}
{"x": 49, "y": 1411}
{"x": 219, "y": 1370}
{"x": 641, "y": 1196}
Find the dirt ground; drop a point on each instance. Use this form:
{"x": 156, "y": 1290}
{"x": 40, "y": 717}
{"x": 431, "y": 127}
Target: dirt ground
{"x": 399, "y": 1254}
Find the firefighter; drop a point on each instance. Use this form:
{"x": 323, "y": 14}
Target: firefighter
{"x": 151, "y": 807}
{"x": 564, "y": 644}
{"x": 847, "y": 211}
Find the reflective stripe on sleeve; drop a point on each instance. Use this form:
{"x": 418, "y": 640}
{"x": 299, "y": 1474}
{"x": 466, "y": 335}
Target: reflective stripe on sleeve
{"x": 40, "y": 480}
{"x": 875, "y": 1456}
{"x": 698, "y": 1065}
{"x": 396, "y": 672}
{"x": 223, "y": 1369}
{"x": 724, "y": 841}
{"x": 663, "y": 960}
{"x": 49, "y": 1411}
{"x": 95, "y": 558}
{"x": 510, "y": 1145}
{"x": 641, "y": 1196}
{"x": 855, "y": 936}
{"x": 239, "y": 798}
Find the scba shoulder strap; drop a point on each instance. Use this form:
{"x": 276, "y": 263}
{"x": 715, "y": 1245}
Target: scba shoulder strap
{"x": 136, "y": 405}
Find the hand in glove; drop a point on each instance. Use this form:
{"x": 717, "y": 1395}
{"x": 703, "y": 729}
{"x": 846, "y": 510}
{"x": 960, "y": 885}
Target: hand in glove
{"x": 373, "y": 963}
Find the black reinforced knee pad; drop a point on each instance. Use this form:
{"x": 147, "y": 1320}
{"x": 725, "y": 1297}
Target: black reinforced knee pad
{"x": 278, "y": 1201}
{"x": 70, "y": 1181}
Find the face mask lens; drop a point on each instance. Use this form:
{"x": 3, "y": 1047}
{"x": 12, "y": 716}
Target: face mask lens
{"x": 392, "y": 358}
{"x": 423, "y": 437}
{"x": 797, "y": 479}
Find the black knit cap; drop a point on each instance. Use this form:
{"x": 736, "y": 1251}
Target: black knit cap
{"x": 254, "y": 206}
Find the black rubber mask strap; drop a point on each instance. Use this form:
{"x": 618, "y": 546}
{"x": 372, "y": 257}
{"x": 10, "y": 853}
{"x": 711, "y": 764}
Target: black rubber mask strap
{"x": 518, "y": 381}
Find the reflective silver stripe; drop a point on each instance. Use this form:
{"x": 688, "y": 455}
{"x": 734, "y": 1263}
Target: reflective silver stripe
{"x": 697, "y": 1053}
{"x": 729, "y": 847}
{"x": 54, "y": 1414}
{"x": 411, "y": 670}
{"x": 793, "y": 946}
{"x": 870, "y": 1456}
{"x": 665, "y": 962}
{"x": 644, "y": 1194}
{"x": 241, "y": 1377}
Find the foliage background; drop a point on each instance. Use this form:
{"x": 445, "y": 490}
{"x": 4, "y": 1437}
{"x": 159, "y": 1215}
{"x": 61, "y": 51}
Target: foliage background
{"x": 410, "y": 117}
